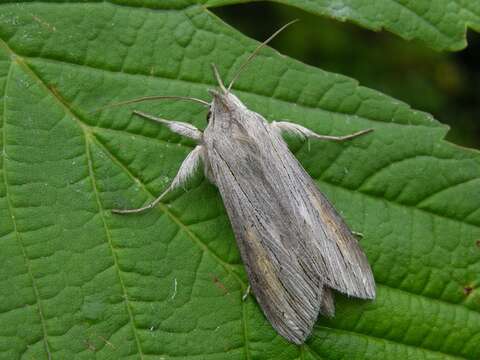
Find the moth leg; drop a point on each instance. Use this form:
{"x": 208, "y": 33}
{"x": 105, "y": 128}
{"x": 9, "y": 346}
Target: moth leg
{"x": 187, "y": 168}
{"x": 358, "y": 235}
{"x": 246, "y": 293}
{"x": 284, "y": 126}
{"x": 178, "y": 127}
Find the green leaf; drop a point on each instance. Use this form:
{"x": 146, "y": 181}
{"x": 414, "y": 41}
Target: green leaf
{"x": 77, "y": 282}
{"x": 439, "y": 24}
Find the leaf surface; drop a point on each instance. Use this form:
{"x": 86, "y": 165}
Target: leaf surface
{"x": 439, "y": 24}
{"x": 79, "y": 282}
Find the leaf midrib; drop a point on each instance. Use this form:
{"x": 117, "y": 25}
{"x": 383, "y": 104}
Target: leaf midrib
{"x": 14, "y": 222}
{"x": 113, "y": 253}
{"x": 433, "y": 125}
{"x": 376, "y": 122}
{"x": 87, "y": 134}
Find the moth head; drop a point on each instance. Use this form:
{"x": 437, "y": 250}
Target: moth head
{"x": 223, "y": 101}
{"x": 224, "y": 105}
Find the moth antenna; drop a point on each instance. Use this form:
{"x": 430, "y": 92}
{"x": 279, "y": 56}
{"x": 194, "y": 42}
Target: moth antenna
{"x": 218, "y": 78}
{"x": 157, "y": 97}
{"x": 255, "y": 52}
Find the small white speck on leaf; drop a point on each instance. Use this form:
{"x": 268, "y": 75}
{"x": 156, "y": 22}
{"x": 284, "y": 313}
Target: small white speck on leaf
{"x": 174, "y": 289}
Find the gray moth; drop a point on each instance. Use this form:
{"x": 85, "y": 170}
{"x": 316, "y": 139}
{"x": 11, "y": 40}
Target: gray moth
{"x": 295, "y": 246}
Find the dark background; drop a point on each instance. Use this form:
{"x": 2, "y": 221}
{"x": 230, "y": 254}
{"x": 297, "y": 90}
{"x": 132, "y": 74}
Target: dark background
{"x": 445, "y": 84}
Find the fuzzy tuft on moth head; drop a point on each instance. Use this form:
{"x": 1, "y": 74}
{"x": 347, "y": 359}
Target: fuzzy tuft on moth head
{"x": 225, "y": 108}
{"x": 223, "y": 101}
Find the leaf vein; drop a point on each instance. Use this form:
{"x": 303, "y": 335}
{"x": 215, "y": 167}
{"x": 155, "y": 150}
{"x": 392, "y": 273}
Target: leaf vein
{"x": 175, "y": 219}
{"x": 450, "y": 187}
{"x": 423, "y": 19}
{"x": 126, "y": 299}
{"x": 382, "y": 339}
{"x": 14, "y": 221}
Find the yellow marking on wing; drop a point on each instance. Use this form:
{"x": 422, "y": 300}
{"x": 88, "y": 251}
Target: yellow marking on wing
{"x": 264, "y": 264}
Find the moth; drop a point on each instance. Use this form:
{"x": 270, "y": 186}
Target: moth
{"x": 295, "y": 246}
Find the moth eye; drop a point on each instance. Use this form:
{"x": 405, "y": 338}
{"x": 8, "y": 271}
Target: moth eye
{"x": 208, "y": 115}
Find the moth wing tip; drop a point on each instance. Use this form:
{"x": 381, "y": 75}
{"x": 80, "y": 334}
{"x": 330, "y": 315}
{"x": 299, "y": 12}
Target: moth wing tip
{"x": 372, "y": 294}
{"x": 294, "y": 334}
{"x": 369, "y": 293}
{"x": 297, "y": 341}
